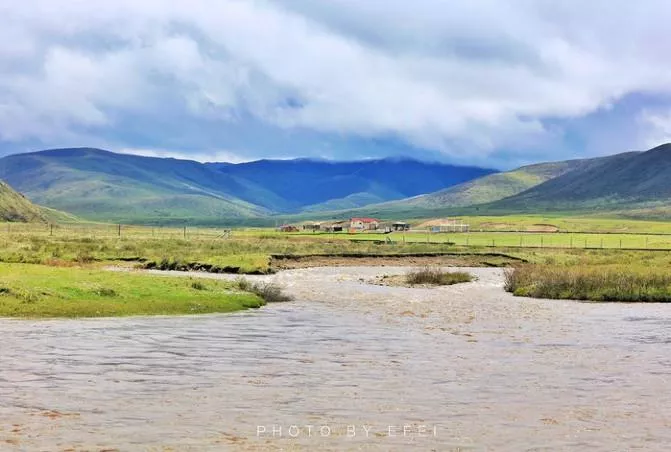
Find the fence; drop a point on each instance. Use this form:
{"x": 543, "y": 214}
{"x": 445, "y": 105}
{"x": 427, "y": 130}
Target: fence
{"x": 578, "y": 240}
{"x": 94, "y": 230}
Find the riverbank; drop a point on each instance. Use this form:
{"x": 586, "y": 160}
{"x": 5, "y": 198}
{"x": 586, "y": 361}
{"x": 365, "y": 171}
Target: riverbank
{"x": 39, "y": 291}
{"x": 489, "y": 370}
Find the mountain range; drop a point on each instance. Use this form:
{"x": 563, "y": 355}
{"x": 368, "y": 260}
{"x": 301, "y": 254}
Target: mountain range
{"x": 105, "y": 186}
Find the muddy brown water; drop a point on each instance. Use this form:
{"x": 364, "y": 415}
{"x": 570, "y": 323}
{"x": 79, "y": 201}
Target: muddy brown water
{"x": 348, "y": 366}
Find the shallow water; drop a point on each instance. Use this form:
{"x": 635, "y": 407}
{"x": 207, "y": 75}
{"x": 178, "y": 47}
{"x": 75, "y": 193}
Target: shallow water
{"x": 466, "y": 367}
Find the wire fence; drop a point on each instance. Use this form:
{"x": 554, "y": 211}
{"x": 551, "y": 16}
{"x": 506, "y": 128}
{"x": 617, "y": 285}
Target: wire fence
{"x": 577, "y": 240}
{"x": 111, "y": 230}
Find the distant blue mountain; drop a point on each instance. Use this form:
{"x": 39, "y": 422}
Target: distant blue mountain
{"x": 304, "y": 183}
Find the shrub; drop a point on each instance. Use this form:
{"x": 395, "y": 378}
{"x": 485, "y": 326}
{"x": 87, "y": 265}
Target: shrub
{"x": 83, "y": 257}
{"x": 198, "y": 285}
{"x": 268, "y": 292}
{"x": 436, "y": 276}
{"x": 105, "y": 292}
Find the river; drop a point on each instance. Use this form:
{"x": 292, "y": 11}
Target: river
{"x": 348, "y": 366}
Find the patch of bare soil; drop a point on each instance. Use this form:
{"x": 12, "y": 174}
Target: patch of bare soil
{"x": 543, "y": 228}
{"x": 434, "y": 222}
{"x": 468, "y": 260}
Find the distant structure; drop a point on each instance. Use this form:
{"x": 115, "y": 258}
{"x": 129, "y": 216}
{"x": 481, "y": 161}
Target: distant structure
{"x": 314, "y": 227}
{"x": 336, "y": 226}
{"x": 454, "y": 225}
{"x": 287, "y": 228}
{"x": 400, "y": 226}
{"x": 364, "y": 224}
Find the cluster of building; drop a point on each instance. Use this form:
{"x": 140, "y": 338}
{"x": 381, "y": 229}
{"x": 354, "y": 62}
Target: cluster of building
{"x": 358, "y": 224}
{"x": 365, "y": 224}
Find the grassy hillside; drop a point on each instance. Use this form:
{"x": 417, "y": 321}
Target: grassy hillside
{"x": 491, "y": 187}
{"x": 100, "y": 185}
{"x": 639, "y": 181}
{"x": 15, "y": 207}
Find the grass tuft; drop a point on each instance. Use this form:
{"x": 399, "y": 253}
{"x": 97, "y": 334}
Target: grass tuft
{"x": 436, "y": 276}
{"x": 268, "y": 292}
{"x": 198, "y": 285}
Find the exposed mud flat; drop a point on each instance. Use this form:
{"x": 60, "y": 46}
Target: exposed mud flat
{"x": 455, "y": 260}
{"x": 462, "y": 367}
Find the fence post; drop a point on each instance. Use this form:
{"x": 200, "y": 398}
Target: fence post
{"x": 620, "y": 243}
{"x": 119, "y": 230}
{"x": 184, "y": 231}
{"x": 51, "y": 229}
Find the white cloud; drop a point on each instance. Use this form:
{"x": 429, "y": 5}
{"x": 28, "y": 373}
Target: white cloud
{"x": 463, "y": 78}
{"x": 197, "y": 155}
{"x": 657, "y": 126}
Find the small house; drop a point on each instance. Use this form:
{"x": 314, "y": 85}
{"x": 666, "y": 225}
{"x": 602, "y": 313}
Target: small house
{"x": 312, "y": 227}
{"x": 364, "y": 224}
{"x": 337, "y": 226}
{"x": 400, "y": 226}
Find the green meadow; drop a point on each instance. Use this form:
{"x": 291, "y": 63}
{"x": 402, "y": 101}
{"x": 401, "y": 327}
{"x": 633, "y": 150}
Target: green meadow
{"x": 59, "y": 270}
{"x": 33, "y": 291}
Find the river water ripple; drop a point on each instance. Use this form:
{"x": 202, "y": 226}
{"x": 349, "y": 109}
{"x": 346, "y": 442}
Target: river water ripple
{"x": 346, "y": 367}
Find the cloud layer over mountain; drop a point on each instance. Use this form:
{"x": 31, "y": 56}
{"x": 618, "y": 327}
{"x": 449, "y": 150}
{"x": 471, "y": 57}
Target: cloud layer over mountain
{"x": 477, "y": 81}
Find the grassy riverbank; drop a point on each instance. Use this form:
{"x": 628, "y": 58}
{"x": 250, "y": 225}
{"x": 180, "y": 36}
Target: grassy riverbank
{"x": 33, "y": 291}
{"x": 594, "y": 283}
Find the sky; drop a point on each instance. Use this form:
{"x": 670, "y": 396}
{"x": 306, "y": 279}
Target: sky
{"x": 495, "y": 83}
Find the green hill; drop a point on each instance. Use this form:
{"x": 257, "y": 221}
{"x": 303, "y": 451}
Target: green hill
{"x": 629, "y": 181}
{"x": 15, "y": 207}
{"x": 104, "y": 186}
{"x": 480, "y": 191}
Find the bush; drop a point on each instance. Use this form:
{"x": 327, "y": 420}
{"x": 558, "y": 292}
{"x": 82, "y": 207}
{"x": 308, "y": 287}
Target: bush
{"x": 268, "y": 292}
{"x": 436, "y": 276}
{"x": 105, "y": 292}
{"x": 197, "y": 285}
{"x": 83, "y": 257}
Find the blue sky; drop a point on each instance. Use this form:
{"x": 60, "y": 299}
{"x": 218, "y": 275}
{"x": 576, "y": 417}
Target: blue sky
{"x": 488, "y": 82}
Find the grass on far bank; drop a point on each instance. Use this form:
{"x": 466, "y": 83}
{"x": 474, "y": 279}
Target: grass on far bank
{"x": 436, "y": 276}
{"x": 32, "y": 291}
{"x": 625, "y": 283}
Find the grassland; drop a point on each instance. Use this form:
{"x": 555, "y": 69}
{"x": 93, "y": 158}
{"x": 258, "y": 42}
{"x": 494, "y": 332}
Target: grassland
{"x": 77, "y": 253}
{"x": 42, "y": 291}
{"x": 596, "y": 283}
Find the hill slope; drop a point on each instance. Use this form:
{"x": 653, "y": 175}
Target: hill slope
{"x": 623, "y": 181}
{"x": 106, "y": 186}
{"x": 15, "y": 207}
{"x": 480, "y": 191}
{"x": 101, "y": 185}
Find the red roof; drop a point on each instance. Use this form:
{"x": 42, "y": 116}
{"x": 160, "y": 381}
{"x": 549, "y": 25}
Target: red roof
{"x": 366, "y": 220}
